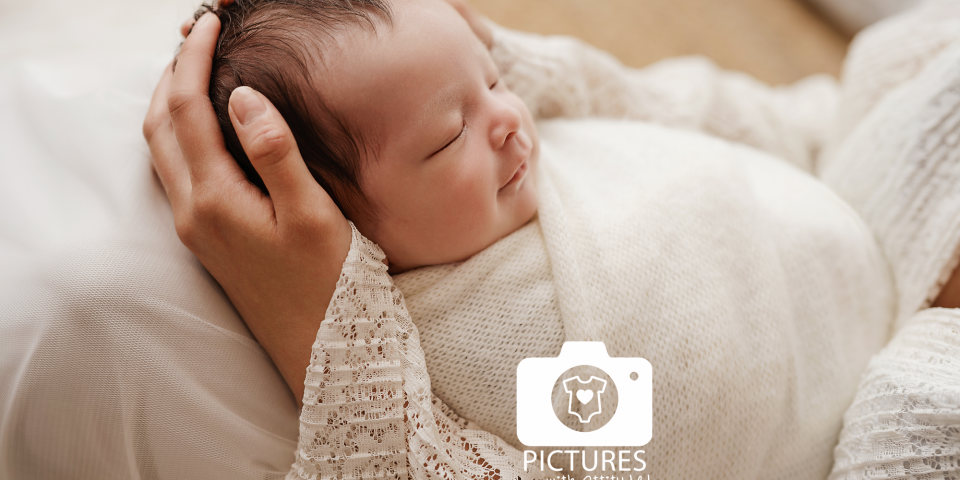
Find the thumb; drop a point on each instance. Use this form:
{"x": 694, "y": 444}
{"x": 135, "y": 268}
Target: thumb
{"x": 271, "y": 148}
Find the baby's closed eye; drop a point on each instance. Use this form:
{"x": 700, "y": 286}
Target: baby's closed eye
{"x": 463, "y": 131}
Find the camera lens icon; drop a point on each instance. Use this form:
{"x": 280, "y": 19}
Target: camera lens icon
{"x": 584, "y": 398}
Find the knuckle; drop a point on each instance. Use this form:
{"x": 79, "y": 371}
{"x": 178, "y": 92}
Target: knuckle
{"x": 270, "y": 146}
{"x": 309, "y": 225}
{"x": 184, "y": 226}
{"x": 205, "y": 209}
{"x": 305, "y": 224}
{"x": 204, "y": 223}
{"x": 180, "y": 101}
{"x": 203, "y": 204}
{"x": 323, "y": 219}
{"x": 151, "y": 124}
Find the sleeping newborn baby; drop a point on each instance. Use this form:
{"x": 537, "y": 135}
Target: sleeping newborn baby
{"x": 399, "y": 113}
{"x": 755, "y": 292}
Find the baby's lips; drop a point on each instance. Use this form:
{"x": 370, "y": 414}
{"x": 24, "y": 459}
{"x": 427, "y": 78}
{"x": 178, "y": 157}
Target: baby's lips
{"x": 523, "y": 145}
{"x": 517, "y": 171}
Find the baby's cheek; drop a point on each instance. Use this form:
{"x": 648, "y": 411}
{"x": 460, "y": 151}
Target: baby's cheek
{"x": 472, "y": 210}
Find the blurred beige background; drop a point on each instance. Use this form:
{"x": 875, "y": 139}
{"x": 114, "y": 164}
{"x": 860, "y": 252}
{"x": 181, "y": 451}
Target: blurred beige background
{"x": 777, "y": 41}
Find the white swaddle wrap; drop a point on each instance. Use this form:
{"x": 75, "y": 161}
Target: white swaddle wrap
{"x": 757, "y": 295}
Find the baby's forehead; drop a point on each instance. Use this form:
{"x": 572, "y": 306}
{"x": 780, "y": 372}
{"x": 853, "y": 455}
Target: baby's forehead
{"x": 400, "y": 75}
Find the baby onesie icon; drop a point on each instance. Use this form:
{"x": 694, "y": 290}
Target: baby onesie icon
{"x": 587, "y": 394}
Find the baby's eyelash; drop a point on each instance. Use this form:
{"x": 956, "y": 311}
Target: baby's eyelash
{"x": 463, "y": 131}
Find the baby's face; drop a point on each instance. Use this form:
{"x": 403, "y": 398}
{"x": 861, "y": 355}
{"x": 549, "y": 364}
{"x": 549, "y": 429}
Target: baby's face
{"x": 455, "y": 151}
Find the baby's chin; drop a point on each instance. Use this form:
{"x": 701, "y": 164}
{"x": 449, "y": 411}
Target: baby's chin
{"x": 469, "y": 246}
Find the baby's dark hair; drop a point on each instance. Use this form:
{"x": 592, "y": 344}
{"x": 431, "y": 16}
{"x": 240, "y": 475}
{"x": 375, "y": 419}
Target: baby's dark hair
{"x": 274, "y": 47}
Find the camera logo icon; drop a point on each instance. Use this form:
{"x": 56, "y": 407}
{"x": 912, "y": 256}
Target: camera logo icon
{"x": 584, "y": 398}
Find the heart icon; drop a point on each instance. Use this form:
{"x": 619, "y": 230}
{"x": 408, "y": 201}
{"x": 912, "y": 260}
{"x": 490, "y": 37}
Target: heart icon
{"x": 584, "y": 396}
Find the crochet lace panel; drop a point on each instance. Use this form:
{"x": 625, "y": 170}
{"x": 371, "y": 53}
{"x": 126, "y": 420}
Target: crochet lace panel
{"x": 905, "y": 420}
{"x": 368, "y": 411}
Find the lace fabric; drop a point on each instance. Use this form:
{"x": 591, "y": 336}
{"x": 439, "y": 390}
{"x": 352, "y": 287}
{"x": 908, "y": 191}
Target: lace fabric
{"x": 905, "y": 420}
{"x": 368, "y": 410}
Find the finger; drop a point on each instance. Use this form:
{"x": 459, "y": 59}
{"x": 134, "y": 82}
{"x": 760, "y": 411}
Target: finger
{"x": 167, "y": 159}
{"x": 271, "y": 148}
{"x": 158, "y": 112}
{"x": 481, "y": 27}
{"x": 170, "y": 167}
{"x": 191, "y": 112}
{"x": 186, "y": 26}
{"x": 478, "y": 23}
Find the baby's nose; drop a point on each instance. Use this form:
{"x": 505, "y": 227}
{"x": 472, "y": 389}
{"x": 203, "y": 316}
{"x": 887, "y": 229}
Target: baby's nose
{"x": 517, "y": 146}
{"x": 506, "y": 125}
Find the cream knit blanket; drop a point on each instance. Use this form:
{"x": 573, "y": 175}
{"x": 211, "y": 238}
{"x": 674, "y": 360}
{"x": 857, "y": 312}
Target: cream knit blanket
{"x": 756, "y": 293}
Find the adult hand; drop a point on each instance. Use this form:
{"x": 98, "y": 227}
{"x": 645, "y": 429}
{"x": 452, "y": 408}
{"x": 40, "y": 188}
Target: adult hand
{"x": 277, "y": 257}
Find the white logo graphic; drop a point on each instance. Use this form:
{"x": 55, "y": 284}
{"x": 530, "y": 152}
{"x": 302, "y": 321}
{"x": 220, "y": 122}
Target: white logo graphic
{"x": 585, "y": 396}
{"x": 630, "y": 387}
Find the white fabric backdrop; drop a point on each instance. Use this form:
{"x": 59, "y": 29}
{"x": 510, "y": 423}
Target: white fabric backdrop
{"x": 119, "y": 356}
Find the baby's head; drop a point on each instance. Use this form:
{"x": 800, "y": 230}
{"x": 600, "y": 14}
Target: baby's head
{"x": 398, "y": 111}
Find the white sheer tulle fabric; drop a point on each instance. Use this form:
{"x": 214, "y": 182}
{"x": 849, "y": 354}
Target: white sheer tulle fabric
{"x": 756, "y": 293}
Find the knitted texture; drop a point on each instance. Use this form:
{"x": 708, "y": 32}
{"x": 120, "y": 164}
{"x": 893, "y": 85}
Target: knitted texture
{"x": 889, "y": 54}
{"x": 900, "y": 166}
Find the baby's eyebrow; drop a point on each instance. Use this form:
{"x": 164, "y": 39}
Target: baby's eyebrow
{"x": 444, "y": 98}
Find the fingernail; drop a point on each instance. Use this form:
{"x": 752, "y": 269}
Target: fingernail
{"x": 246, "y": 105}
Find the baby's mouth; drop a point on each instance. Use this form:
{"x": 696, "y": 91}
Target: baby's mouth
{"x": 517, "y": 176}
{"x": 525, "y": 145}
